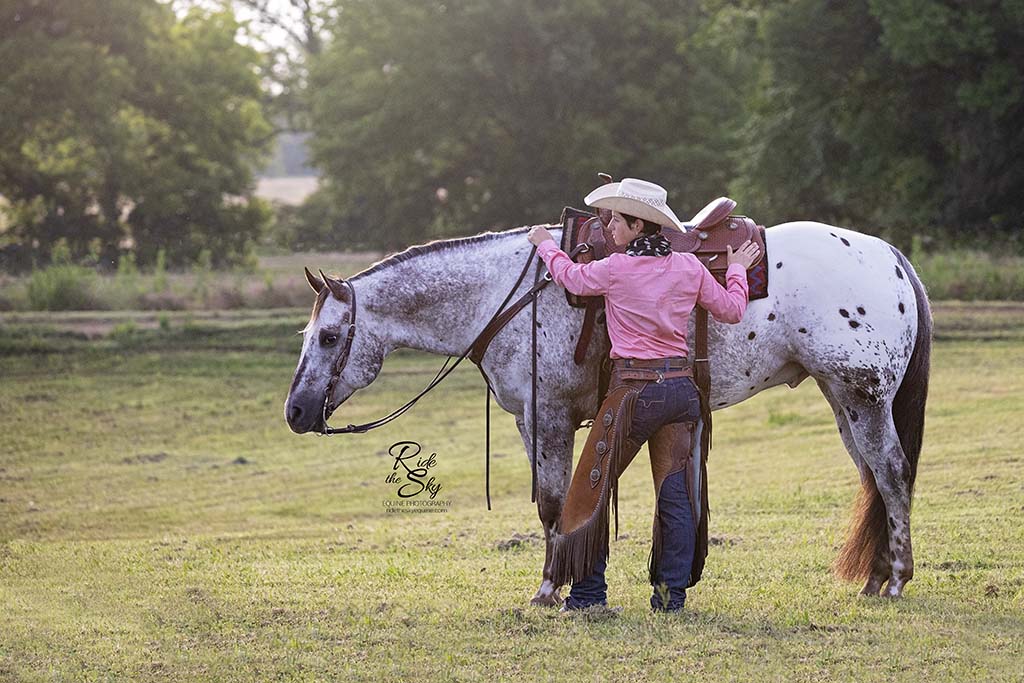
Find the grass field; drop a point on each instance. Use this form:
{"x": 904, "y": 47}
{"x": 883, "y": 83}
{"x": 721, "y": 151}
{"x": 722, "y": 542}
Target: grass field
{"x": 159, "y": 522}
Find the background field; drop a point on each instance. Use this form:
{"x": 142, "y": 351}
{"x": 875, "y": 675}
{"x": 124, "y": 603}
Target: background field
{"x": 275, "y": 280}
{"x": 158, "y": 521}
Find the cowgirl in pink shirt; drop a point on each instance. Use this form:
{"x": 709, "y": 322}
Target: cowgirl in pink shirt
{"x": 649, "y": 294}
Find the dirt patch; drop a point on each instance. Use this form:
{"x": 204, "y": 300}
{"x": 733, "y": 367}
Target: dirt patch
{"x": 143, "y": 458}
{"x": 724, "y": 540}
{"x": 517, "y": 540}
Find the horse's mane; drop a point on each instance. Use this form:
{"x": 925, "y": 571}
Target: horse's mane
{"x": 415, "y": 251}
{"x": 435, "y": 245}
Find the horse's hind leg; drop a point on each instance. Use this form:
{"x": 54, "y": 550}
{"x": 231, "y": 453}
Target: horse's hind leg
{"x": 843, "y": 423}
{"x": 864, "y": 553}
{"x": 888, "y": 514}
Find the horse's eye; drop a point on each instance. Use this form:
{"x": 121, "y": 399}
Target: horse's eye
{"x": 328, "y": 339}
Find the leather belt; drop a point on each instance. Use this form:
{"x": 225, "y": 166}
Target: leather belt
{"x": 672, "y": 363}
{"x": 651, "y": 369}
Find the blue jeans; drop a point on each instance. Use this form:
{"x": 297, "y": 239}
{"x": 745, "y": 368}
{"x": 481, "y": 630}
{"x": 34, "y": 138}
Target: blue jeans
{"x": 674, "y": 400}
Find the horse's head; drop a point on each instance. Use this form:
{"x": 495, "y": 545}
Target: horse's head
{"x": 335, "y": 356}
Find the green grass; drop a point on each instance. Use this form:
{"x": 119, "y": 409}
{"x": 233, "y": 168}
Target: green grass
{"x": 159, "y": 522}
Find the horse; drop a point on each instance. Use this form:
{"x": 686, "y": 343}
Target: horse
{"x": 844, "y": 308}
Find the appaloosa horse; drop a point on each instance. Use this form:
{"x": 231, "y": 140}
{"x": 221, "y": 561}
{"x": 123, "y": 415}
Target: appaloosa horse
{"x": 844, "y": 308}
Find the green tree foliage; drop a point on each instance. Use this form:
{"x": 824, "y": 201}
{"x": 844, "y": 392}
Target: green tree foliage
{"x": 316, "y": 224}
{"x": 121, "y": 120}
{"x": 892, "y": 116}
{"x": 441, "y": 117}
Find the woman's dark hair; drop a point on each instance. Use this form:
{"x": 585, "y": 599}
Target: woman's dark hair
{"x": 650, "y": 227}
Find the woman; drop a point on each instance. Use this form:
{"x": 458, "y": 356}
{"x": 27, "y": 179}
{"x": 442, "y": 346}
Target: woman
{"x": 649, "y": 293}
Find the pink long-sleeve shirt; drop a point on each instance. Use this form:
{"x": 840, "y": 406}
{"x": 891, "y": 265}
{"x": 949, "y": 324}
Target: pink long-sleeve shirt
{"x": 648, "y": 299}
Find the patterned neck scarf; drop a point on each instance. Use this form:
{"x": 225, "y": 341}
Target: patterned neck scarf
{"x": 649, "y": 245}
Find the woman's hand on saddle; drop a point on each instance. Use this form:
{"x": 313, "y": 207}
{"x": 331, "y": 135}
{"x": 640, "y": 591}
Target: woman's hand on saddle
{"x": 538, "y": 234}
{"x": 745, "y": 255}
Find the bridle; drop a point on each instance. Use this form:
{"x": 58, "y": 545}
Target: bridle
{"x": 475, "y": 349}
{"x": 338, "y": 366}
{"x": 339, "y": 363}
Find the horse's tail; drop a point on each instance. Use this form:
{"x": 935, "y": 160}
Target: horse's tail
{"x": 908, "y": 407}
{"x": 869, "y": 533}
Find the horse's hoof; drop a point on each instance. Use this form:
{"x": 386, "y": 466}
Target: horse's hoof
{"x": 546, "y": 599}
{"x": 872, "y": 586}
{"x": 547, "y": 595}
{"x": 893, "y": 591}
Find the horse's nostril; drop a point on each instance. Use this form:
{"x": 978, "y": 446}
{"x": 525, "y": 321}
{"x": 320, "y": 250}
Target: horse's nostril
{"x": 294, "y": 414}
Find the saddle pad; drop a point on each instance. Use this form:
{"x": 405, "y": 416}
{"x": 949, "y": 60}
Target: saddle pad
{"x": 757, "y": 277}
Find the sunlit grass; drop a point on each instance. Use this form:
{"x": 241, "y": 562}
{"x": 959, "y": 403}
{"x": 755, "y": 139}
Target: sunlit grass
{"x": 158, "y": 521}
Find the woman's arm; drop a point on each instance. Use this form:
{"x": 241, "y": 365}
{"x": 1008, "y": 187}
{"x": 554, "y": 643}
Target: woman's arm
{"x": 583, "y": 279}
{"x": 728, "y": 304}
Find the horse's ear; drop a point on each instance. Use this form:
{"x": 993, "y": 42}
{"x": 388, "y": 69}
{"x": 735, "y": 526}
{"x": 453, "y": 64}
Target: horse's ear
{"x": 337, "y": 287}
{"x": 314, "y": 282}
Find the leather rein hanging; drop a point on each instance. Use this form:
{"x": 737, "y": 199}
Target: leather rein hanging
{"x": 476, "y": 352}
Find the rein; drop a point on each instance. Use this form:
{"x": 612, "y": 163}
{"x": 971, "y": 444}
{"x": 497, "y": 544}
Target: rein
{"x": 490, "y": 329}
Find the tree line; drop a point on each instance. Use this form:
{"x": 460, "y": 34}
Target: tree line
{"x": 446, "y": 117}
{"x": 127, "y": 128}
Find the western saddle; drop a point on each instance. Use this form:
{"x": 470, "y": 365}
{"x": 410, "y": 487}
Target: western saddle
{"x": 707, "y": 236}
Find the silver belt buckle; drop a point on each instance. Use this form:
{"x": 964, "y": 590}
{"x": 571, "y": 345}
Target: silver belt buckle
{"x": 661, "y": 377}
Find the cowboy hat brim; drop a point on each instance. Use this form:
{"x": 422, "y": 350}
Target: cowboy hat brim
{"x": 609, "y": 197}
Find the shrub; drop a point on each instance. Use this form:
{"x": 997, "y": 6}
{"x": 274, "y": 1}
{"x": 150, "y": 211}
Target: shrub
{"x": 227, "y": 297}
{"x": 160, "y": 272}
{"x": 202, "y": 269}
{"x": 971, "y": 275}
{"x": 163, "y": 301}
{"x": 62, "y": 287}
{"x": 287, "y": 292}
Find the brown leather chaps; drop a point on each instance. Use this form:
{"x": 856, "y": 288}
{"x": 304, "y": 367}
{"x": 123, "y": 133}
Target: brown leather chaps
{"x": 583, "y": 527}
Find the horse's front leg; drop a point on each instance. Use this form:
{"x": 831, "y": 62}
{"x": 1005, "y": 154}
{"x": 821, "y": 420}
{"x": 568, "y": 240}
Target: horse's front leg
{"x": 555, "y": 437}
{"x": 548, "y": 594}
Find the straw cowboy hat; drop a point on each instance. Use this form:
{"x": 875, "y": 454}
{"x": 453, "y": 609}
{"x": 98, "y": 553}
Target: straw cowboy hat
{"x": 635, "y": 197}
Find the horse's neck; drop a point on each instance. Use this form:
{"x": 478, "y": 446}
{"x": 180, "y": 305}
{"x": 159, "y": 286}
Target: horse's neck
{"x": 440, "y": 301}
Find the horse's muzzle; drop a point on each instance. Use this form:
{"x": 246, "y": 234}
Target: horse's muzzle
{"x": 304, "y": 414}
